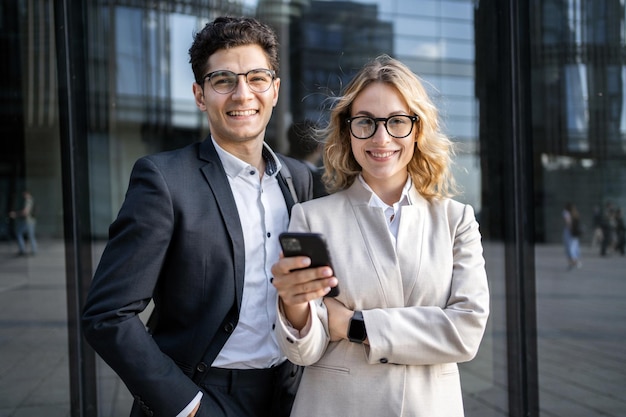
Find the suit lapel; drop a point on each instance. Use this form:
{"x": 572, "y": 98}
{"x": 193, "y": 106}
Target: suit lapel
{"x": 215, "y": 176}
{"x": 285, "y": 182}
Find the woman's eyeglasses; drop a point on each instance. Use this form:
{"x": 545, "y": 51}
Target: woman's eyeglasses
{"x": 364, "y": 127}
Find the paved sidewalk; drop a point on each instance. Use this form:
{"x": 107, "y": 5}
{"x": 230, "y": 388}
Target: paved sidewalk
{"x": 581, "y": 325}
{"x": 581, "y": 331}
{"x": 34, "y": 368}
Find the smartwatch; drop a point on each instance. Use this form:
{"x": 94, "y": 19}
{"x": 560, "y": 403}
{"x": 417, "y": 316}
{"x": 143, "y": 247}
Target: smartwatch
{"x": 356, "y": 329}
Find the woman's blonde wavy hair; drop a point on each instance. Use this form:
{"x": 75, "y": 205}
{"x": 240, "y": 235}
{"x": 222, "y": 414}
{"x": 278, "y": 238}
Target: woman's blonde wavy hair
{"x": 430, "y": 166}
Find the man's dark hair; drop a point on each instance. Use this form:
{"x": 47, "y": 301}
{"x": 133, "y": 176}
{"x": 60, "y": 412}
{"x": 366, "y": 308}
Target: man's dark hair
{"x": 229, "y": 32}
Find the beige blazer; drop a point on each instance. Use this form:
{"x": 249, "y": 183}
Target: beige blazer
{"x": 425, "y": 303}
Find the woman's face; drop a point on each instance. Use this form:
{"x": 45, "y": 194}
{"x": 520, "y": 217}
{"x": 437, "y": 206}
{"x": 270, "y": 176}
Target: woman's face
{"x": 382, "y": 157}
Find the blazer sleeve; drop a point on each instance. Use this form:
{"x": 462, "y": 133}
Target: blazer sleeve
{"x": 431, "y": 334}
{"x": 303, "y": 349}
{"x": 122, "y": 286}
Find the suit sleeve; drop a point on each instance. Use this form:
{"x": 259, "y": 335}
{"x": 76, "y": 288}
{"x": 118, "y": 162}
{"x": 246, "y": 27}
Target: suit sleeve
{"x": 303, "y": 180}
{"x": 123, "y": 285}
{"x": 426, "y": 335}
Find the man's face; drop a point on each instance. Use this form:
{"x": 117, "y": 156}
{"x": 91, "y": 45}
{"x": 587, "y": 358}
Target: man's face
{"x": 241, "y": 116}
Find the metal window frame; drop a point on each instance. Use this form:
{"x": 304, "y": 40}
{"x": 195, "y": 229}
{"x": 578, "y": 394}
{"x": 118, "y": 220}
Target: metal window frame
{"x": 70, "y": 20}
{"x": 514, "y": 31}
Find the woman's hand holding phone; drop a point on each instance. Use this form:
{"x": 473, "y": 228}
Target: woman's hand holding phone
{"x": 297, "y": 282}
{"x": 311, "y": 245}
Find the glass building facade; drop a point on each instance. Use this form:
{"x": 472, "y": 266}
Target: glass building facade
{"x": 532, "y": 92}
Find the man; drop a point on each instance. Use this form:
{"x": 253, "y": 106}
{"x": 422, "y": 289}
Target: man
{"x": 25, "y": 224}
{"x": 198, "y": 233}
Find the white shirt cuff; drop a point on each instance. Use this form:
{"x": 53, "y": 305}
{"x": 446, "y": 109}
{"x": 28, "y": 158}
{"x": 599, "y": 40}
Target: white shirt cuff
{"x": 187, "y": 410}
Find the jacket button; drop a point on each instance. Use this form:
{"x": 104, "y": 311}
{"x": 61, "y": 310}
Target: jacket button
{"x": 384, "y": 360}
{"x": 228, "y": 327}
{"x": 290, "y": 340}
{"x": 201, "y": 367}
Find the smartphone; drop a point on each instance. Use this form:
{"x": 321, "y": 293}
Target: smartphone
{"x": 312, "y": 245}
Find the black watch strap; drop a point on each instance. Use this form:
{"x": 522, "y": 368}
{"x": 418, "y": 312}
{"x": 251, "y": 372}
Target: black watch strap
{"x": 356, "y": 329}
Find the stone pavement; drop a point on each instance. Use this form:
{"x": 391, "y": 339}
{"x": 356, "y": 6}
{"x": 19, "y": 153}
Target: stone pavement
{"x": 581, "y": 335}
{"x": 34, "y": 369}
{"x": 581, "y": 325}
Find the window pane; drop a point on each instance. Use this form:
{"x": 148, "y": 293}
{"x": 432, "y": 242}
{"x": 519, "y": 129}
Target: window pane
{"x": 436, "y": 40}
{"x": 34, "y": 362}
{"x": 580, "y": 162}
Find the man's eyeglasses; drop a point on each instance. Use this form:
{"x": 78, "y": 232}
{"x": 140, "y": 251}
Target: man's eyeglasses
{"x": 259, "y": 80}
{"x": 364, "y": 127}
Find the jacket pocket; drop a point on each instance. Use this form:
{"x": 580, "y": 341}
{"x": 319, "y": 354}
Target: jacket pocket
{"x": 329, "y": 369}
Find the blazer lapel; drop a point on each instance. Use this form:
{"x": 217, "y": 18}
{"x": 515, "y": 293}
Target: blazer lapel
{"x": 411, "y": 239}
{"x": 380, "y": 247}
{"x": 215, "y": 176}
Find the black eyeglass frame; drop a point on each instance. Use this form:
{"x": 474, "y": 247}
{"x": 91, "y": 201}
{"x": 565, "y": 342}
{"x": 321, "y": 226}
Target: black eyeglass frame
{"x": 245, "y": 74}
{"x": 414, "y": 119}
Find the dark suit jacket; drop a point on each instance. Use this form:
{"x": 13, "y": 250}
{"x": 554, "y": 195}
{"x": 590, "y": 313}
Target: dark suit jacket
{"x": 178, "y": 240}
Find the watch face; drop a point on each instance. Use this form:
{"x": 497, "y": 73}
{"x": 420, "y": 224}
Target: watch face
{"x": 356, "y": 331}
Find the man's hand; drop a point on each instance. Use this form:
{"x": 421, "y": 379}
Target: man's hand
{"x": 195, "y": 410}
{"x": 296, "y": 286}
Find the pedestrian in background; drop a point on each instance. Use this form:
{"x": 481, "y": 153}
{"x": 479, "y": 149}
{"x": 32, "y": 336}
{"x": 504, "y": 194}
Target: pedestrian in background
{"x": 304, "y": 146}
{"x": 25, "y": 224}
{"x": 571, "y": 235}
{"x": 596, "y": 226}
{"x": 608, "y": 226}
{"x": 620, "y": 232}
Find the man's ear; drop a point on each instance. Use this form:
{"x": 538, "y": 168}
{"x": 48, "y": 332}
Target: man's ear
{"x": 198, "y": 94}
{"x": 276, "y": 88}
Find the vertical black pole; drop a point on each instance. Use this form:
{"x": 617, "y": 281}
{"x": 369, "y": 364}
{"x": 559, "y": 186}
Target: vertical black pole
{"x": 520, "y": 269}
{"x": 70, "y": 23}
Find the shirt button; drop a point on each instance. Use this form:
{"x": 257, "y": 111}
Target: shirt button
{"x": 252, "y": 172}
{"x": 384, "y": 360}
{"x": 269, "y": 234}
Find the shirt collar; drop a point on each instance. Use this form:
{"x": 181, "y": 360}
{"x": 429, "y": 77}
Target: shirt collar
{"x": 375, "y": 201}
{"x": 234, "y": 166}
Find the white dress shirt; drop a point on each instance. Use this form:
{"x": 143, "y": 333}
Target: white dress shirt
{"x": 263, "y": 215}
{"x": 392, "y": 213}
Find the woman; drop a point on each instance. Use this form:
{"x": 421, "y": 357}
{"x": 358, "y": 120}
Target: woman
{"x": 571, "y": 235}
{"x": 414, "y": 298}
